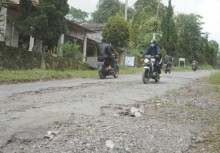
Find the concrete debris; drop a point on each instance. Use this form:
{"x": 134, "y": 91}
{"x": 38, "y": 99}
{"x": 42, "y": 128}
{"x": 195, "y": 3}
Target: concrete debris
{"x": 136, "y": 112}
{"x": 51, "y": 134}
{"x": 109, "y": 144}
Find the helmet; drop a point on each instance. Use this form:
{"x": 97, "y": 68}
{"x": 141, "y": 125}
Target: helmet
{"x": 153, "y": 42}
{"x": 104, "y": 40}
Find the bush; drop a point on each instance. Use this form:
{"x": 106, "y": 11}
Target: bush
{"x": 19, "y": 59}
{"x": 117, "y": 30}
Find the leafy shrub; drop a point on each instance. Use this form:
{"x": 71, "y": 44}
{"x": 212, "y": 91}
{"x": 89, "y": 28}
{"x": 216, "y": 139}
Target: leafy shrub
{"x": 117, "y": 30}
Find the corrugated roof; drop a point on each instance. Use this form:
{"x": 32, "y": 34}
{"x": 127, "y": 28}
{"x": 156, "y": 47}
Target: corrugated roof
{"x": 17, "y": 1}
{"x": 74, "y": 24}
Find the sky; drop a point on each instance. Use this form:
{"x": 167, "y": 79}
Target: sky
{"x": 209, "y": 9}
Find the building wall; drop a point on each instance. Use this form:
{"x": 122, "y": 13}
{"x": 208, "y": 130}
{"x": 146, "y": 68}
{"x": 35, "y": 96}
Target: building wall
{"x": 11, "y": 33}
{"x": 3, "y": 12}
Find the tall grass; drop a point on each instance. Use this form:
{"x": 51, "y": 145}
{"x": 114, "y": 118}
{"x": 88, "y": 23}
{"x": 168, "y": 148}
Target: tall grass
{"x": 214, "y": 78}
{"x": 188, "y": 67}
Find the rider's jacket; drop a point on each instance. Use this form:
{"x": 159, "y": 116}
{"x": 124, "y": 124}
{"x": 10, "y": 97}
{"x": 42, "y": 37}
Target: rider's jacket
{"x": 152, "y": 51}
{"x": 104, "y": 50}
{"x": 168, "y": 58}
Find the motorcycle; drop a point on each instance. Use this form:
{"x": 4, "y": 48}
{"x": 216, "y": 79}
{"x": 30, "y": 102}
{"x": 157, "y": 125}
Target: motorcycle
{"x": 167, "y": 67}
{"x": 150, "y": 70}
{"x": 194, "y": 67}
{"x": 105, "y": 70}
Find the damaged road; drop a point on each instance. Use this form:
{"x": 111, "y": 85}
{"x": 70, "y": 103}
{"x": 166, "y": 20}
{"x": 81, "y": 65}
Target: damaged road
{"x": 93, "y": 115}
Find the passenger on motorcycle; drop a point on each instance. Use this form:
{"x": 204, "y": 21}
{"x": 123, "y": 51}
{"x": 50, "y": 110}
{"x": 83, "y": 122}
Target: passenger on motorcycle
{"x": 116, "y": 55}
{"x": 104, "y": 50}
{"x": 154, "y": 50}
{"x": 168, "y": 59}
{"x": 195, "y": 63}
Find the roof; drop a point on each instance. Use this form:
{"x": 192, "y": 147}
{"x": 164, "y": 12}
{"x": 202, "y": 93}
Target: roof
{"x": 94, "y": 27}
{"x": 76, "y": 25}
{"x": 17, "y": 1}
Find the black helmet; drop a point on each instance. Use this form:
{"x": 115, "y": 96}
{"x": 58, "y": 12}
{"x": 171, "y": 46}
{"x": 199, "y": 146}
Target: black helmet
{"x": 104, "y": 40}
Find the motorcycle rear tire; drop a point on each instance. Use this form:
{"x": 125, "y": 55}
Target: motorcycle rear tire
{"x": 145, "y": 76}
{"x": 157, "y": 79}
{"x": 116, "y": 73}
{"x": 101, "y": 75}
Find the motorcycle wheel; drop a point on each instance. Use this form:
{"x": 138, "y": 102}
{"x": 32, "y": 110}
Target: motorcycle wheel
{"x": 157, "y": 79}
{"x": 165, "y": 71}
{"x": 116, "y": 72}
{"x": 101, "y": 75}
{"x": 145, "y": 76}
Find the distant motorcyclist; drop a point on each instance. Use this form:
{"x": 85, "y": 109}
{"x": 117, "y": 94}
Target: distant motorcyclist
{"x": 168, "y": 59}
{"x": 194, "y": 65}
{"x": 154, "y": 50}
{"x": 194, "y": 62}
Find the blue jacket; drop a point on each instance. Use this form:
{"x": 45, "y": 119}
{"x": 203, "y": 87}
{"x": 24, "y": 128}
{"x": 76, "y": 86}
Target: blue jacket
{"x": 152, "y": 51}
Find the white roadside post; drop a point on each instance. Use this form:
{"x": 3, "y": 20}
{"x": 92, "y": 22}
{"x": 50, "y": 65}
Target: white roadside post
{"x": 84, "y": 47}
{"x": 126, "y": 10}
{"x": 31, "y": 44}
{"x": 182, "y": 60}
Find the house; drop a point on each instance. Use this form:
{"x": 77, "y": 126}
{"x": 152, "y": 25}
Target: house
{"x": 86, "y": 37}
{"x": 97, "y": 36}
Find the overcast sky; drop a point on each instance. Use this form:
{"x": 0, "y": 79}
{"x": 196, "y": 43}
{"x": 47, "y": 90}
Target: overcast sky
{"x": 209, "y": 9}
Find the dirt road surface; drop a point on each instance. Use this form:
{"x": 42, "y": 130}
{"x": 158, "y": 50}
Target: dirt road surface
{"x": 28, "y": 111}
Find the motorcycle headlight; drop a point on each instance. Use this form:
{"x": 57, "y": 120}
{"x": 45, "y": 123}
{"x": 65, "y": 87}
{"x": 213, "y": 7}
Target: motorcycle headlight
{"x": 153, "y": 60}
{"x": 146, "y": 60}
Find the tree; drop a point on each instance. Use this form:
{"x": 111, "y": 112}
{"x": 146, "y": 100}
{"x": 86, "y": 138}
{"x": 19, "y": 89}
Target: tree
{"x": 117, "y": 30}
{"x": 191, "y": 44}
{"x": 77, "y": 14}
{"x": 109, "y": 8}
{"x": 106, "y": 9}
{"x": 44, "y": 21}
{"x": 214, "y": 48}
{"x": 145, "y": 22}
{"x": 168, "y": 27}
{"x": 151, "y": 7}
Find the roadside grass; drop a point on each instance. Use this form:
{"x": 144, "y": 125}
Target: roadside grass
{"x": 39, "y": 75}
{"x": 188, "y": 67}
{"x": 214, "y": 78}
{"x": 214, "y": 137}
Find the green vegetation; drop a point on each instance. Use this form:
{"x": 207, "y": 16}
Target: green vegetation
{"x": 45, "y": 21}
{"x": 77, "y": 14}
{"x": 117, "y": 30}
{"x": 168, "y": 27}
{"x": 109, "y": 8}
{"x": 214, "y": 137}
{"x": 145, "y": 22}
{"x": 214, "y": 78}
{"x": 38, "y": 75}
{"x": 188, "y": 67}
{"x": 183, "y": 35}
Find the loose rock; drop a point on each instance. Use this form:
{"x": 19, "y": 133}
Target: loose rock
{"x": 109, "y": 144}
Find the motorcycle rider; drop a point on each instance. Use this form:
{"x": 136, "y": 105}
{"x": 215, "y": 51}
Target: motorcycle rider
{"x": 104, "y": 50}
{"x": 113, "y": 51}
{"x": 195, "y": 63}
{"x": 154, "y": 50}
{"x": 168, "y": 59}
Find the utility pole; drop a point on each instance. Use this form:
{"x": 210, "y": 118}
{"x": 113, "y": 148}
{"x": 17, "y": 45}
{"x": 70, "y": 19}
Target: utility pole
{"x": 126, "y": 10}
{"x": 158, "y": 7}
